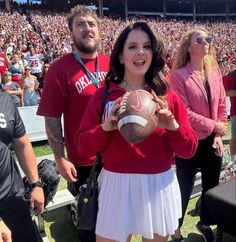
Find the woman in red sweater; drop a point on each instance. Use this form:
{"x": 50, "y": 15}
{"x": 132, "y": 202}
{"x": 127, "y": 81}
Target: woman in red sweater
{"x": 139, "y": 192}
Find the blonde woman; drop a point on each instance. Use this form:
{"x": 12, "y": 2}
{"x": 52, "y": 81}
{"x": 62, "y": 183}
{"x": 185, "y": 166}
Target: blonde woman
{"x": 29, "y": 85}
{"x": 198, "y": 81}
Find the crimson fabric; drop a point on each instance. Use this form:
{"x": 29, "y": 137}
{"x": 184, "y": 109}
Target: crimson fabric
{"x": 230, "y": 83}
{"x": 67, "y": 90}
{"x": 146, "y": 157}
{"x": 17, "y": 79}
{"x": 3, "y": 66}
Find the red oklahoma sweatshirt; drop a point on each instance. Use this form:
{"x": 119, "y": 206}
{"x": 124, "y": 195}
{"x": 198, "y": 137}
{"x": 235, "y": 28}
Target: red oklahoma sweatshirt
{"x": 154, "y": 155}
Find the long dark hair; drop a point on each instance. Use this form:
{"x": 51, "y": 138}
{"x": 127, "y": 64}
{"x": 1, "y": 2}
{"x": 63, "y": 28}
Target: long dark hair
{"x": 154, "y": 77}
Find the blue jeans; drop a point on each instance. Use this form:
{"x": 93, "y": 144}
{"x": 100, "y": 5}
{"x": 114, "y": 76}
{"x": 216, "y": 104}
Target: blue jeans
{"x": 30, "y": 98}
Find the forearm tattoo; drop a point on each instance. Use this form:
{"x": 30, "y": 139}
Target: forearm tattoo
{"x": 55, "y": 138}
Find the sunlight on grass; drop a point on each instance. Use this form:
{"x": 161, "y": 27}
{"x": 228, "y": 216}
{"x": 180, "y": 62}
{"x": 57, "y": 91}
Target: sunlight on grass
{"x": 41, "y": 148}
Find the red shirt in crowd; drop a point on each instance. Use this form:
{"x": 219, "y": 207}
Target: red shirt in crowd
{"x": 67, "y": 90}
{"x": 230, "y": 84}
{"x": 3, "y": 65}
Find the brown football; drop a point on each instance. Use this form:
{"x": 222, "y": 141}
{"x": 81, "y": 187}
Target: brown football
{"x": 136, "y": 116}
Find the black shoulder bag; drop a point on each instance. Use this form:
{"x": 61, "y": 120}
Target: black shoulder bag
{"x": 87, "y": 203}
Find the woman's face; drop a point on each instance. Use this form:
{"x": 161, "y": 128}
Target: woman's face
{"x": 15, "y": 58}
{"x": 7, "y": 77}
{"x": 137, "y": 55}
{"x": 199, "y": 44}
{"x": 46, "y": 67}
{"x": 27, "y": 70}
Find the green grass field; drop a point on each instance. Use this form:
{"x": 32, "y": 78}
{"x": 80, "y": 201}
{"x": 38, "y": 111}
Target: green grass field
{"x": 59, "y": 227}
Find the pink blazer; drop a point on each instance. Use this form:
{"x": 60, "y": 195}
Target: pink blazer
{"x": 193, "y": 93}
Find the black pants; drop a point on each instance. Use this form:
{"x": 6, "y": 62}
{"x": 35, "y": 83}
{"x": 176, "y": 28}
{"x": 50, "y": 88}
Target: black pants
{"x": 82, "y": 174}
{"x": 209, "y": 164}
{"x": 17, "y": 217}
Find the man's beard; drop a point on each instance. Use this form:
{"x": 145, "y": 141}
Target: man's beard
{"x": 84, "y": 48}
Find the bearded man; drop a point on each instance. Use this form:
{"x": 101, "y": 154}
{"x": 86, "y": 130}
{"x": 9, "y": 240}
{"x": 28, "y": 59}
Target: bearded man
{"x": 69, "y": 84}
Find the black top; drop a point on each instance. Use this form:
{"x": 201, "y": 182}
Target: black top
{"x": 208, "y": 91}
{"x": 11, "y": 183}
{"x": 11, "y": 126}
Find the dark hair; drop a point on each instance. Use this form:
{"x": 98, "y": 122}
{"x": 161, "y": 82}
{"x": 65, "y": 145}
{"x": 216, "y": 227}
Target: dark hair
{"x": 154, "y": 77}
{"x": 80, "y": 10}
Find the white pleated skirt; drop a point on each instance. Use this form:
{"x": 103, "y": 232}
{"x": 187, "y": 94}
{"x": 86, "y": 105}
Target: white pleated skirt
{"x": 145, "y": 204}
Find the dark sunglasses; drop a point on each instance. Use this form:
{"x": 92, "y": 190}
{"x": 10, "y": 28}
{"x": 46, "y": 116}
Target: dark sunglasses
{"x": 27, "y": 69}
{"x": 199, "y": 39}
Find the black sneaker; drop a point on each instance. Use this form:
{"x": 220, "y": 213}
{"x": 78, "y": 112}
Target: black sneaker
{"x": 181, "y": 239}
{"x": 207, "y": 233}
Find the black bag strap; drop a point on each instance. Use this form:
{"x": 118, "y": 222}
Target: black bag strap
{"x": 104, "y": 101}
{"x": 97, "y": 166}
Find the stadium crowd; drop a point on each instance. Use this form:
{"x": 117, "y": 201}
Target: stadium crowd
{"x": 40, "y": 37}
{"x": 31, "y": 41}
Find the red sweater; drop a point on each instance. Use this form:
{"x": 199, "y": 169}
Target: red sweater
{"x": 153, "y": 155}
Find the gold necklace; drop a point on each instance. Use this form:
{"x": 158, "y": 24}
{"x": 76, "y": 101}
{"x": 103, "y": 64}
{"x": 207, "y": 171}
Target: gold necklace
{"x": 129, "y": 87}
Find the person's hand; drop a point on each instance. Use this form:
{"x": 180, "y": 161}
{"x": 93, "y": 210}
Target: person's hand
{"x": 221, "y": 128}
{"x": 111, "y": 121}
{"x": 5, "y": 233}
{"x": 164, "y": 118}
{"x": 67, "y": 169}
{"x": 218, "y": 145}
{"x": 37, "y": 200}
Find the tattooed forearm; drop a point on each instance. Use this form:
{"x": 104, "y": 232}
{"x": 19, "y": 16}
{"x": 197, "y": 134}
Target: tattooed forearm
{"x": 54, "y": 132}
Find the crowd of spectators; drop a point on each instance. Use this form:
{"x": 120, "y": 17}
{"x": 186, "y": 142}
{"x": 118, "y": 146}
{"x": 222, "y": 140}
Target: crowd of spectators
{"x": 40, "y": 37}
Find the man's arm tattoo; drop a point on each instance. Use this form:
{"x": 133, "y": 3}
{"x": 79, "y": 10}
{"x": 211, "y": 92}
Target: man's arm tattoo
{"x": 55, "y": 138}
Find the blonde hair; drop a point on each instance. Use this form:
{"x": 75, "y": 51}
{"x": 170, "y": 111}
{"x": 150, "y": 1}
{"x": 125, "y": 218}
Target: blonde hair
{"x": 182, "y": 56}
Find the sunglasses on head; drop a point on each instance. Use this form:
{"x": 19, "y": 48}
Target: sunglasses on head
{"x": 199, "y": 39}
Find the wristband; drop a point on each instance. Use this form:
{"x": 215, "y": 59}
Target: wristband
{"x": 37, "y": 184}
